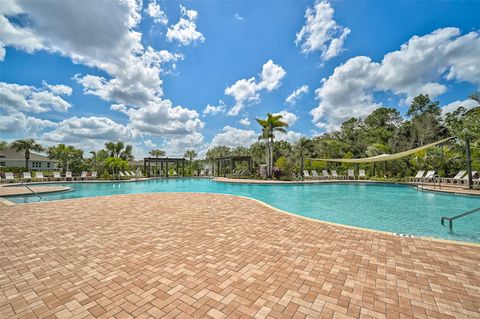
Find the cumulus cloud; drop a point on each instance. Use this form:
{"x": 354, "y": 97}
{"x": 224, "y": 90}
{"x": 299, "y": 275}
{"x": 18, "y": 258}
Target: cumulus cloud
{"x": 296, "y": 95}
{"x": 17, "y": 122}
{"x": 161, "y": 117}
{"x": 453, "y": 106}
{"x": 234, "y": 137}
{"x": 238, "y": 17}
{"x": 155, "y": 11}
{"x": 321, "y": 32}
{"x": 177, "y": 145}
{"x": 290, "y": 136}
{"x": 24, "y": 98}
{"x": 185, "y": 30}
{"x": 418, "y": 67}
{"x": 81, "y": 129}
{"x": 247, "y": 91}
{"x": 149, "y": 143}
{"x": 245, "y": 121}
{"x": 288, "y": 117}
{"x": 212, "y": 109}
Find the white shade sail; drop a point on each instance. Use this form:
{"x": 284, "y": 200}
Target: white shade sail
{"x": 382, "y": 157}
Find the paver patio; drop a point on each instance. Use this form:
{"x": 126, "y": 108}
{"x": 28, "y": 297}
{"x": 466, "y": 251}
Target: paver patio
{"x": 197, "y": 255}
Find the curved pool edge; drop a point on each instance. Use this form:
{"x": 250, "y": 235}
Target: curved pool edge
{"x": 296, "y": 215}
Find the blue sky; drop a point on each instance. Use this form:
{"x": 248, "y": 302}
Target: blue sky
{"x": 194, "y": 74}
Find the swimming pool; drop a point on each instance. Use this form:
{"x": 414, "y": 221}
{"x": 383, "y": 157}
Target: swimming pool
{"x": 387, "y": 207}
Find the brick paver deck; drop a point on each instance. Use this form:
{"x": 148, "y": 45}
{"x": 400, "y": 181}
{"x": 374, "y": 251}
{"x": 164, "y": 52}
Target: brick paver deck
{"x": 197, "y": 255}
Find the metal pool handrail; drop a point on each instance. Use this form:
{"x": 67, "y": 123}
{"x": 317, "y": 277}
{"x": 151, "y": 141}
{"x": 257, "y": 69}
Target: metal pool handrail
{"x": 34, "y": 192}
{"x": 451, "y": 219}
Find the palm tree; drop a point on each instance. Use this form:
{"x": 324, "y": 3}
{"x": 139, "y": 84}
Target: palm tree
{"x": 303, "y": 147}
{"x": 65, "y": 154}
{"x": 271, "y": 125}
{"x": 191, "y": 154}
{"x": 157, "y": 153}
{"x": 26, "y": 145}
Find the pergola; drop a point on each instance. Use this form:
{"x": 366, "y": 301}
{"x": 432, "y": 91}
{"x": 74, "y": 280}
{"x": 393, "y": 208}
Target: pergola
{"x": 147, "y": 161}
{"x": 230, "y": 162}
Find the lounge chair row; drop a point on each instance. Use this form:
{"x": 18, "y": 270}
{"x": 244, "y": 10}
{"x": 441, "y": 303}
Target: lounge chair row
{"x": 334, "y": 174}
{"x": 39, "y": 177}
{"x": 460, "y": 178}
{"x": 129, "y": 174}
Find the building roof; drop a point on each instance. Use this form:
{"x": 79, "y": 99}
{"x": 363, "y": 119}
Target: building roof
{"x": 11, "y": 154}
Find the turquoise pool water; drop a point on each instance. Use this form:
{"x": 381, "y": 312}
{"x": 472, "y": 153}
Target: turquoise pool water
{"x": 387, "y": 207}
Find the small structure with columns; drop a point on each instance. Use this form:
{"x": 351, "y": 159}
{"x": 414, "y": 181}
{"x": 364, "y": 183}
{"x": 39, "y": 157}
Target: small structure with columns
{"x": 229, "y": 162}
{"x": 164, "y": 161}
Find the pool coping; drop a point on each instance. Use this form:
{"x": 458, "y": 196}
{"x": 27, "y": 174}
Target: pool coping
{"x": 434, "y": 239}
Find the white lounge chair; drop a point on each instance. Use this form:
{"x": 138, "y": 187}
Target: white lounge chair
{"x": 94, "y": 175}
{"x": 335, "y": 175}
{"x": 428, "y": 177}
{"x": 27, "y": 176}
{"x": 325, "y": 174}
{"x": 57, "y": 176}
{"x": 361, "y": 174}
{"x": 464, "y": 180}
{"x": 306, "y": 174}
{"x": 121, "y": 175}
{"x": 68, "y": 174}
{"x": 39, "y": 176}
{"x": 84, "y": 175}
{"x": 315, "y": 174}
{"x": 9, "y": 177}
{"x": 351, "y": 174}
{"x": 456, "y": 179}
{"x": 417, "y": 177}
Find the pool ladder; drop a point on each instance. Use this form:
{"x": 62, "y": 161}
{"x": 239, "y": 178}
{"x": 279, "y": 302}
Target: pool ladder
{"x": 451, "y": 219}
{"x": 31, "y": 190}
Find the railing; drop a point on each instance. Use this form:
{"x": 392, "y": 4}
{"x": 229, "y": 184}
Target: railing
{"x": 34, "y": 192}
{"x": 451, "y": 219}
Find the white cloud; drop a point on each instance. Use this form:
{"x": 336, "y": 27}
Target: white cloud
{"x": 246, "y": 92}
{"x": 296, "y": 95}
{"x": 59, "y": 89}
{"x": 452, "y": 107}
{"x": 177, "y": 145}
{"x": 245, "y": 121}
{"x": 238, "y": 17}
{"x": 288, "y": 117}
{"x": 290, "y": 136}
{"x": 77, "y": 130}
{"x": 418, "y": 67}
{"x": 321, "y": 32}
{"x": 155, "y": 12}
{"x": 17, "y": 122}
{"x": 160, "y": 117}
{"x": 212, "y": 109}
{"x": 185, "y": 31}
{"x": 234, "y": 137}
{"x": 149, "y": 143}
{"x": 24, "y": 98}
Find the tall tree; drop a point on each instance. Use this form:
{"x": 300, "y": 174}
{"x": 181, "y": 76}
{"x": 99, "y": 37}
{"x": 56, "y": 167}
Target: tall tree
{"x": 157, "y": 153}
{"x": 303, "y": 148}
{"x": 66, "y": 154}
{"x": 26, "y": 145}
{"x": 271, "y": 125}
{"x": 190, "y": 154}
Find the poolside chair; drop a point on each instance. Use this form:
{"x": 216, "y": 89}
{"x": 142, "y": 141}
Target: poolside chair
{"x": 417, "y": 177}
{"x": 68, "y": 174}
{"x": 306, "y": 174}
{"x": 9, "y": 177}
{"x": 456, "y": 179}
{"x": 94, "y": 175}
{"x": 325, "y": 174}
{"x": 84, "y": 175}
{"x": 315, "y": 174}
{"x": 121, "y": 175}
{"x": 39, "y": 176}
{"x": 464, "y": 180}
{"x": 361, "y": 174}
{"x": 27, "y": 176}
{"x": 57, "y": 176}
{"x": 429, "y": 177}
{"x": 335, "y": 175}
{"x": 350, "y": 174}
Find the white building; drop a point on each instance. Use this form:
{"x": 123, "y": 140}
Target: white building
{"x": 37, "y": 162}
